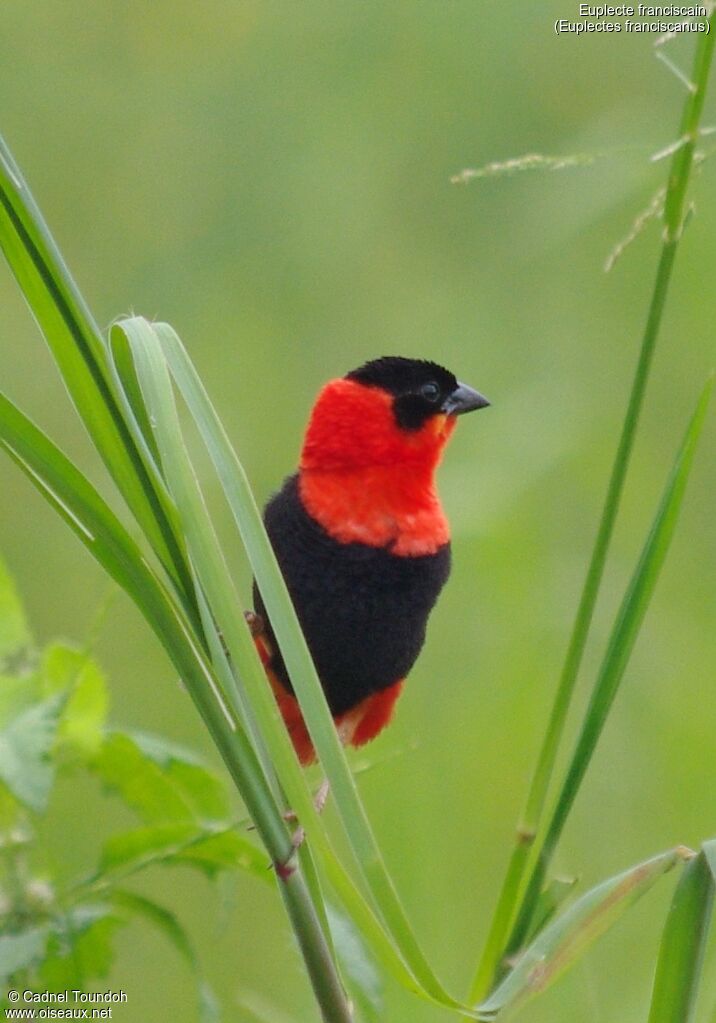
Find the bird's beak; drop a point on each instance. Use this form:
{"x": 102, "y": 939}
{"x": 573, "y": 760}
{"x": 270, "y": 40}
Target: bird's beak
{"x": 463, "y": 399}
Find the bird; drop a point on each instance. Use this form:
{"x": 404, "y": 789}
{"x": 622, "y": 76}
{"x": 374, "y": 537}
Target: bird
{"x": 362, "y": 540}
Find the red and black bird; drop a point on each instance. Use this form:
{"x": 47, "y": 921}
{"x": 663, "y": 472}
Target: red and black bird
{"x": 362, "y": 540}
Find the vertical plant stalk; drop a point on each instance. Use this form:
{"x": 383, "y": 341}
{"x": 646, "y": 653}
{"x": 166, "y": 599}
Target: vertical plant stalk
{"x": 681, "y": 955}
{"x": 623, "y": 636}
{"x": 81, "y": 507}
{"x": 212, "y": 580}
{"x": 497, "y": 940}
{"x": 315, "y": 951}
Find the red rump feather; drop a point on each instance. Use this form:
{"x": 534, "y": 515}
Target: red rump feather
{"x": 357, "y": 726}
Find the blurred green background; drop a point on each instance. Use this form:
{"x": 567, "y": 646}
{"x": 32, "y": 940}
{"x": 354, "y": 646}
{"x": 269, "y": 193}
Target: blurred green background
{"x": 273, "y": 179}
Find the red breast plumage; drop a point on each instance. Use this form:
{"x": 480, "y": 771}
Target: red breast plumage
{"x": 362, "y": 539}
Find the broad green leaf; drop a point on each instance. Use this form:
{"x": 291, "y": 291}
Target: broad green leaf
{"x": 93, "y": 951}
{"x": 21, "y": 950}
{"x": 66, "y": 669}
{"x": 17, "y": 693}
{"x": 25, "y": 746}
{"x": 161, "y": 781}
{"x": 130, "y": 851}
{"x": 168, "y": 924}
{"x": 80, "y": 946}
{"x": 226, "y": 850}
{"x": 141, "y": 782}
{"x": 79, "y": 504}
{"x": 81, "y": 356}
{"x": 183, "y": 843}
{"x": 93, "y": 522}
{"x": 564, "y": 939}
{"x": 678, "y": 970}
{"x": 15, "y": 638}
{"x": 203, "y": 789}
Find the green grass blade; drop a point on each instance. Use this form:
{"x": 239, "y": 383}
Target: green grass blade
{"x": 138, "y": 339}
{"x": 81, "y": 356}
{"x": 92, "y": 521}
{"x": 84, "y": 510}
{"x": 303, "y": 674}
{"x": 213, "y": 578}
{"x": 679, "y": 176}
{"x": 621, "y": 643}
{"x": 68, "y": 491}
{"x": 213, "y": 581}
{"x": 681, "y": 954}
{"x": 151, "y": 344}
{"x": 79, "y": 504}
{"x": 564, "y": 940}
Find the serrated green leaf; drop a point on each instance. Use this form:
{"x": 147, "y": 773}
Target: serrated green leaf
{"x": 21, "y": 950}
{"x": 227, "y": 850}
{"x": 17, "y": 693}
{"x": 134, "y": 850}
{"x": 202, "y": 788}
{"x": 15, "y": 638}
{"x": 93, "y": 522}
{"x": 25, "y": 746}
{"x": 93, "y": 951}
{"x": 162, "y": 781}
{"x": 185, "y": 844}
{"x": 67, "y": 669}
{"x": 80, "y": 946}
{"x": 141, "y": 782}
{"x": 564, "y": 939}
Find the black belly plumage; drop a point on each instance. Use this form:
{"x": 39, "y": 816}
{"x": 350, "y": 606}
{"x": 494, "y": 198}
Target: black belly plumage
{"x": 363, "y": 609}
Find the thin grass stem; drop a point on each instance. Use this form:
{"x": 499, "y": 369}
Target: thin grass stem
{"x": 680, "y": 171}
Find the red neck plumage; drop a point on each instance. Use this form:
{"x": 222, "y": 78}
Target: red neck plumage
{"x": 366, "y": 480}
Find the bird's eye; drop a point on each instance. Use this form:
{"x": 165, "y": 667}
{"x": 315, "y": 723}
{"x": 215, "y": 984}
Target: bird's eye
{"x": 430, "y": 391}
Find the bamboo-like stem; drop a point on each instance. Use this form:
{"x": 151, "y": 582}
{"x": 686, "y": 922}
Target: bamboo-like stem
{"x": 498, "y": 945}
{"x": 305, "y": 922}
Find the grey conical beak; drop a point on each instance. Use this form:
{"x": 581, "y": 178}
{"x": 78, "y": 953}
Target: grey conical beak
{"x": 464, "y": 399}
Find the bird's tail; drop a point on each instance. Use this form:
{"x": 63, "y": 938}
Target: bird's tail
{"x": 355, "y": 727}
